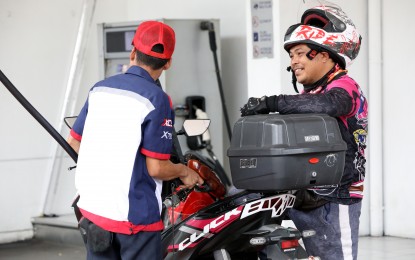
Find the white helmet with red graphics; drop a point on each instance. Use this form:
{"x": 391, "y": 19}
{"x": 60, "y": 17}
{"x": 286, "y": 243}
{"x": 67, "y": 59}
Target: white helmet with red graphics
{"x": 326, "y": 28}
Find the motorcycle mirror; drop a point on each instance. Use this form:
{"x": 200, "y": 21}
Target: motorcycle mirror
{"x": 70, "y": 121}
{"x": 194, "y": 127}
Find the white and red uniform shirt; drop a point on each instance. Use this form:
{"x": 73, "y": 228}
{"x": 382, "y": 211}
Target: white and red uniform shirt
{"x": 125, "y": 118}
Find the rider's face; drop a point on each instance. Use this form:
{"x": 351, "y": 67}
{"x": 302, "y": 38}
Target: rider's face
{"x": 307, "y": 71}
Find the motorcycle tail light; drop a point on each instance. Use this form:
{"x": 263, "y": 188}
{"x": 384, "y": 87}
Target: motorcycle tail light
{"x": 286, "y": 244}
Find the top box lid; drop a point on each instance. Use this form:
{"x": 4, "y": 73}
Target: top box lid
{"x": 275, "y": 134}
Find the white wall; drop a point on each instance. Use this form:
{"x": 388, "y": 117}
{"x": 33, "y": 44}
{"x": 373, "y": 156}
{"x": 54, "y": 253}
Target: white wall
{"x": 36, "y": 50}
{"x": 398, "y": 123}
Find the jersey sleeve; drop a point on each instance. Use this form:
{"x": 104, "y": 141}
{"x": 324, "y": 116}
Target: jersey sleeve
{"x": 336, "y": 102}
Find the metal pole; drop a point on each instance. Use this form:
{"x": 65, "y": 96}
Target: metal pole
{"x": 48, "y": 127}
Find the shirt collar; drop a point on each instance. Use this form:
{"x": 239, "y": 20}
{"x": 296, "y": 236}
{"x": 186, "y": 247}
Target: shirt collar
{"x": 136, "y": 70}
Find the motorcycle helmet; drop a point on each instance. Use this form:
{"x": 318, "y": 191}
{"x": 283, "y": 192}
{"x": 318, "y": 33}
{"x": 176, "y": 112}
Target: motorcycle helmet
{"x": 326, "y": 28}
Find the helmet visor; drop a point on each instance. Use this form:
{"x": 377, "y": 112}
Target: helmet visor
{"x": 323, "y": 14}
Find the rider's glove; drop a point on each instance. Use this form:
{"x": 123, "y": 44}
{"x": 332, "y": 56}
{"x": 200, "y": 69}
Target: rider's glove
{"x": 256, "y": 106}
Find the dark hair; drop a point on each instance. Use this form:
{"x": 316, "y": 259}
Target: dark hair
{"x": 152, "y": 62}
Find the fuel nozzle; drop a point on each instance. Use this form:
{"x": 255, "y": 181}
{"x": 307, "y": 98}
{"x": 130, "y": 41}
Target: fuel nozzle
{"x": 175, "y": 198}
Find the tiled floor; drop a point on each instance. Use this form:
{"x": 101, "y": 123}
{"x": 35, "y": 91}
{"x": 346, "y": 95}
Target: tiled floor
{"x": 370, "y": 248}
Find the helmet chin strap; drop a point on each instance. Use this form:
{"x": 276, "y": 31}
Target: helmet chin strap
{"x": 294, "y": 79}
{"x": 333, "y": 73}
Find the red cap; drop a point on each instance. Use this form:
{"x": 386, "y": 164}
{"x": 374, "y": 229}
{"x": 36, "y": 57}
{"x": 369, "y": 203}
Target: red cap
{"x": 151, "y": 33}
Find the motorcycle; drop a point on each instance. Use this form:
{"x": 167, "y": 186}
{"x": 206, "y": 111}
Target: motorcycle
{"x": 246, "y": 224}
{"x": 242, "y": 224}
{"x": 208, "y": 223}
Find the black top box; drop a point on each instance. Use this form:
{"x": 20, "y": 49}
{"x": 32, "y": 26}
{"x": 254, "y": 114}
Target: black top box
{"x": 286, "y": 152}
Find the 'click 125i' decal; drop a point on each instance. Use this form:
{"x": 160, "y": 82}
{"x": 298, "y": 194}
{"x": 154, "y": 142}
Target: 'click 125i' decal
{"x": 200, "y": 229}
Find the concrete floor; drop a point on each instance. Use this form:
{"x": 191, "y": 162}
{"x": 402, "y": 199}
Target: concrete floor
{"x": 370, "y": 248}
{"x": 382, "y": 248}
{"x": 37, "y": 249}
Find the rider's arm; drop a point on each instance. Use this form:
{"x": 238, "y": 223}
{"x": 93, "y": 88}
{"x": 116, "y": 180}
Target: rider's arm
{"x": 335, "y": 102}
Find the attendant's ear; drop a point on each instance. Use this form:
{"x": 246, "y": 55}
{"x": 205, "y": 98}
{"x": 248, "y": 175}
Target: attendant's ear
{"x": 167, "y": 65}
{"x": 132, "y": 54}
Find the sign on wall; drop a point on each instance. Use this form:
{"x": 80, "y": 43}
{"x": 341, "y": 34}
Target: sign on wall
{"x": 262, "y": 29}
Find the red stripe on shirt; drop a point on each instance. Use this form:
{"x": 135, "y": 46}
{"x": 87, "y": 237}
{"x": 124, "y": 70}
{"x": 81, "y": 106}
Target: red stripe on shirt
{"x": 123, "y": 227}
{"x": 171, "y": 103}
{"x": 75, "y": 135}
{"x": 160, "y": 156}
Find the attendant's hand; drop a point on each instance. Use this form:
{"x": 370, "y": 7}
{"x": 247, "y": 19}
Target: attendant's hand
{"x": 190, "y": 178}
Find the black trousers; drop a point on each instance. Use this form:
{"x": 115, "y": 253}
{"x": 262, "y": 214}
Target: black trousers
{"x": 143, "y": 245}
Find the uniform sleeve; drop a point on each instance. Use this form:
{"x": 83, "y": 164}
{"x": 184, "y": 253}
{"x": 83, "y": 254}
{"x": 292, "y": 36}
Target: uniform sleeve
{"x": 78, "y": 127}
{"x": 336, "y": 102}
{"x": 158, "y": 131}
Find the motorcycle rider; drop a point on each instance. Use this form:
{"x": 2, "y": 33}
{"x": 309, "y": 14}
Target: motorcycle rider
{"x": 321, "y": 47}
{"x": 124, "y": 138}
